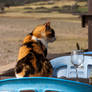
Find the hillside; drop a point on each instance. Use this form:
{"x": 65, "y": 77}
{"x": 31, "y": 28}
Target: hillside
{"x": 22, "y": 2}
{"x": 45, "y": 6}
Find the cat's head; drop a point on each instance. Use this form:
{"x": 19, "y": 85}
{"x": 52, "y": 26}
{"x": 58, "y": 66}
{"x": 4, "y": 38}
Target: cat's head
{"x": 45, "y": 32}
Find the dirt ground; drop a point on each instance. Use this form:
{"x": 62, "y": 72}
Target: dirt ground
{"x": 13, "y": 31}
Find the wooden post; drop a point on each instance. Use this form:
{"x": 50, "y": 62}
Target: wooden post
{"x": 90, "y": 26}
{"x": 87, "y": 19}
{"x": 89, "y": 6}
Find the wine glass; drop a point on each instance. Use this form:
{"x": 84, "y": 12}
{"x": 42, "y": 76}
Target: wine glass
{"x": 77, "y": 59}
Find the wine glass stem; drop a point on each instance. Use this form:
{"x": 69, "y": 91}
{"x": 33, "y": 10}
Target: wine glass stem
{"x": 76, "y": 74}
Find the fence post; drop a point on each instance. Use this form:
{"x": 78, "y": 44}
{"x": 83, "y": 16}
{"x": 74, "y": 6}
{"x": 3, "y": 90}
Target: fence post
{"x": 90, "y": 26}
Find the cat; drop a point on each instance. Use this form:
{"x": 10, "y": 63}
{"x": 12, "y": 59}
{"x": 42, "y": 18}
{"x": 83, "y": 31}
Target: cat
{"x": 32, "y": 61}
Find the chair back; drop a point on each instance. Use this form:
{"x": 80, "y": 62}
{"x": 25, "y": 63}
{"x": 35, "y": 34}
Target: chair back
{"x": 42, "y": 84}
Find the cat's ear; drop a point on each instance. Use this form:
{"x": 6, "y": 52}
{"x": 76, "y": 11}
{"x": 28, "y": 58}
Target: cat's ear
{"x": 47, "y": 24}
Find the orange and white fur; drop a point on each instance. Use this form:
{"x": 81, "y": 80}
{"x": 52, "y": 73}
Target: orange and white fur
{"x": 32, "y": 61}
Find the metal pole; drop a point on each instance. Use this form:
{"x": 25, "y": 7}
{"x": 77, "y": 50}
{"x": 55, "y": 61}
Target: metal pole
{"x": 90, "y": 26}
